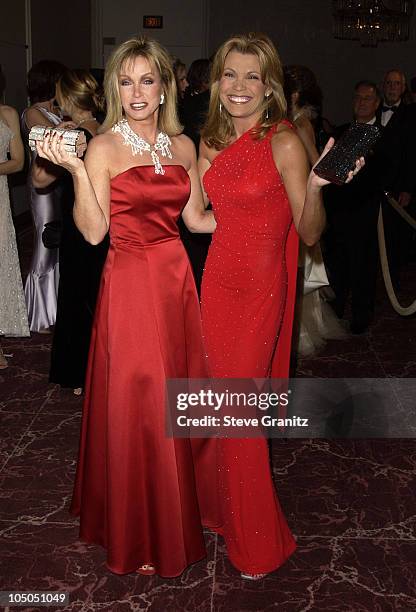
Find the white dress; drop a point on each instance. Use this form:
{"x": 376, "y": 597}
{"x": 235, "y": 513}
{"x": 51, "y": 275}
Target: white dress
{"x": 316, "y": 321}
{"x": 13, "y": 315}
{"x": 41, "y": 288}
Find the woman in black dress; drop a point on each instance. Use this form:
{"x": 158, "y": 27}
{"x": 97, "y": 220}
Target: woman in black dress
{"x": 80, "y": 262}
{"x": 193, "y": 109}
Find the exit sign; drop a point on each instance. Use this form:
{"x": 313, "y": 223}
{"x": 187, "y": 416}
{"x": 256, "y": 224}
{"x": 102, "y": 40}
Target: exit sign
{"x": 153, "y": 21}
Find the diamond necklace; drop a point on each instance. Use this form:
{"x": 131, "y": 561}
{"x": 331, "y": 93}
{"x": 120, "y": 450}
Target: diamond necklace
{"x": 139, "y": 144}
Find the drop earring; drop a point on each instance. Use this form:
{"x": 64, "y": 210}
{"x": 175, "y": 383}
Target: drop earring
{"x": 220, "y": 108}
{"x": 162, "y": 98}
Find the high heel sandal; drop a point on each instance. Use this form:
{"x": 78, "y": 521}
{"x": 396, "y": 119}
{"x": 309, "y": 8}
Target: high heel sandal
{"x": 247, "y": 576}
{"x": 147, "y": 569}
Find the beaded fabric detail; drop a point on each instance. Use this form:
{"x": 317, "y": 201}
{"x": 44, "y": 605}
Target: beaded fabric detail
{"x": 139, "y": 144}
{"x": 13, "y": 314}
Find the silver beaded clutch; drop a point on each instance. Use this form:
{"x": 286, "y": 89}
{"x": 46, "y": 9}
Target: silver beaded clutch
{"x": 74, "y": 141}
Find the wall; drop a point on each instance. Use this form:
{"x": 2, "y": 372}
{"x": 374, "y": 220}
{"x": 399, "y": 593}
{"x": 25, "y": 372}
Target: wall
{"x": 13, "y": 53}
{"x": 14, "y": 67}
{"x": 184, "y": 25}
{"x": 73, "y": 32}
{"x": 57, "y": 31}
{"x": 62, "y": 31}
{"x": 302, "y": 30}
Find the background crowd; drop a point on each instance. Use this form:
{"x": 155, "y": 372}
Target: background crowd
{"x": 260, "y": 132}
{"x": 58, "y": 282}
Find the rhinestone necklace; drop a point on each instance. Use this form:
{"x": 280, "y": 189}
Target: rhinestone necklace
{"x": 139, "y": 144}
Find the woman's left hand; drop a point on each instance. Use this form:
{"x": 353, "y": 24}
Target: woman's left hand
{"x": 359, "y": 163}
{"x": 318, "y": 182}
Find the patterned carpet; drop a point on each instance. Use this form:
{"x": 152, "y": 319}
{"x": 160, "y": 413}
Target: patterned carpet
{"x": 351, "y": 503}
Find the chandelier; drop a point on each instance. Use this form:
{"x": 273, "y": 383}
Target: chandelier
{"x": 371, "y": 21}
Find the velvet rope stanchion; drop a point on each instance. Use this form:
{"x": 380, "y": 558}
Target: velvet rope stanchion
{"x": 401, "y": 310}
{"x": 402, "y": 211}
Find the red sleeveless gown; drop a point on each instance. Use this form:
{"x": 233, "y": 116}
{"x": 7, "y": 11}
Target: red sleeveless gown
{"x": 248, "y": 293}
{"x": 135, "y": 488}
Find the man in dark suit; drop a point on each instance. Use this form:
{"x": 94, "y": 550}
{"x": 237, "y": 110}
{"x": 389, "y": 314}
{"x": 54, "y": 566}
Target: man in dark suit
{"x": 397, "y": 164}
{"x": 352, "y": 209}
{"x": 351, "y": 236}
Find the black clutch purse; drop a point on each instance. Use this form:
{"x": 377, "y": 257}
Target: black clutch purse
{"x": 51, "y": 235}
{"x": 354, "y": 143}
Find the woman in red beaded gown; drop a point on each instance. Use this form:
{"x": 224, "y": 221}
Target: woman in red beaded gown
{"x": 135, "y": 487}
{"x": 255, "y": 173}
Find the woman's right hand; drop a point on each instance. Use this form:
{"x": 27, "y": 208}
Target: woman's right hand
{"x": 52, "y": 149}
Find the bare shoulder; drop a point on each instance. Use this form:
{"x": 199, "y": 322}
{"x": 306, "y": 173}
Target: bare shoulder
{"x": 101, "y": 149}
{"x": 285, "y": 141}
{"x": 102, "y": 143}
{"x": 206, "y": 152}
{"x": 304, "y": 124}
{"x": 183, "y": 150}
{"x": 288, "y": 151}
{"x": 183, "y": 143}
{"x": 8, "y": 114}
{"x": 33, "y": 116}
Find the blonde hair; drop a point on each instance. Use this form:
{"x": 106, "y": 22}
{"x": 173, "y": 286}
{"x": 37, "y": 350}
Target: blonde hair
{"x": 219, "y": 129}
{"x": 157, "y": 56}
{"x": 80, "y": 89}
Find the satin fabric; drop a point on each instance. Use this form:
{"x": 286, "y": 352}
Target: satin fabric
{"x": 135, "y": 488}
{"x": 248, "y": 293}
{"x": 41, "y": 287}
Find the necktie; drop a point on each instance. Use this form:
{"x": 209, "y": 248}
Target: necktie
{"x": 389, "y": 108}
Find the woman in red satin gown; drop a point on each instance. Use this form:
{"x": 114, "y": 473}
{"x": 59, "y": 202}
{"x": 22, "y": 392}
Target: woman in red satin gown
{"x": 255, "y": 173}
{"x": 135, "y": 487}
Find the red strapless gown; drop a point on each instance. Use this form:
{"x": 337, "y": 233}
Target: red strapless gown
{"x": 248, "y": 293}
{"x": 135, "y": 488}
